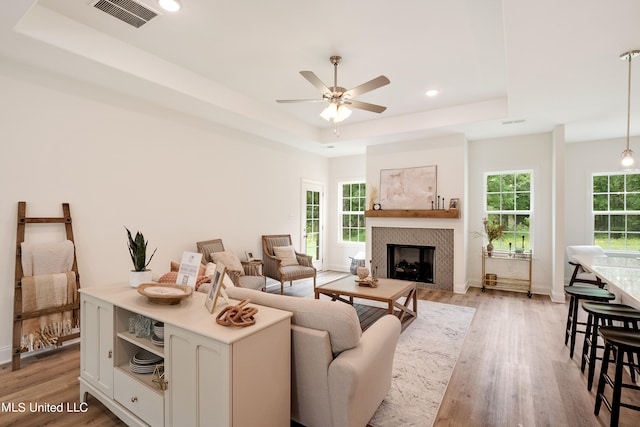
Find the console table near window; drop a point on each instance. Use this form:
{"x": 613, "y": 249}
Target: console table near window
{"x": 503, "y": 263}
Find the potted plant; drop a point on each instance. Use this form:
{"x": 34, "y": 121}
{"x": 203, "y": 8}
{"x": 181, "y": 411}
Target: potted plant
{"x": 138, "y": 251}
{"x": 493, "y": 231}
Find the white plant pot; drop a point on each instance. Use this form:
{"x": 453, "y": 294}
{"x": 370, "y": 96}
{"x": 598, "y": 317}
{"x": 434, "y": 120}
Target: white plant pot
{"x": 136, "y": 278}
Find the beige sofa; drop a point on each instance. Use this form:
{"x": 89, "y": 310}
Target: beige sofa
{"x": 339, "y": 374}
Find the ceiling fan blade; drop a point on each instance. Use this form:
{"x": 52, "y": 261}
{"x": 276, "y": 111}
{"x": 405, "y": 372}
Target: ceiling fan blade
{"x": 366, "y": 106}
{"x": 289, "y": 101}
{"x": 314, "y": 80}
{"x": 366, "y": 87}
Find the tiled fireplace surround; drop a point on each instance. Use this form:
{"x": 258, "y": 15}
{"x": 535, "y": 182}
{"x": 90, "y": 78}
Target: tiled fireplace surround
{"x": 441, "y": 239}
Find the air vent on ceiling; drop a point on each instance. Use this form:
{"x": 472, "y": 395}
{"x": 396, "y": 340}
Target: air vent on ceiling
{"x": 129, "y": 11}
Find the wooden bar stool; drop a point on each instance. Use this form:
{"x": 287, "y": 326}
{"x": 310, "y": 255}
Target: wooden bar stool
{"x": 617, "y": 342}
{"x": 577, "y": 293}
{"x": 603, "y": 314}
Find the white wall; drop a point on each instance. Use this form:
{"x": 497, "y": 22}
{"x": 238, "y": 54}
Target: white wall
{"x": 448, "y": 154}
{"x": 119, "y": 162}
{"x": 532, "y": 152}
{"x": 341, "y": 169}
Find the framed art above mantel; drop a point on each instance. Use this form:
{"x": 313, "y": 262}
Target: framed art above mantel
{"x": 408, "y": 188}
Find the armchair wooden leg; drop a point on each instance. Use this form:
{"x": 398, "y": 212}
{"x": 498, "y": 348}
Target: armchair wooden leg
{"x": 281, "y": 287}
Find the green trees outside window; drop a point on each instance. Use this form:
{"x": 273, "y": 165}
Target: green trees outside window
{"x": 616, "y": 211}
{"x": 508, "y": 201}
{"x": 354, "y": 202}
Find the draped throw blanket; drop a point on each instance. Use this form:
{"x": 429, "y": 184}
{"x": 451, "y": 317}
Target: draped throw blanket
{"x": 46, "y": 258}
{"x": 47, "y": 291}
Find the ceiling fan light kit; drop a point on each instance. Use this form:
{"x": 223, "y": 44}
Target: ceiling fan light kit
{"x": 335, "y": 112}
{"x": 626, "y": 159}
{"x": 339, "y": 98}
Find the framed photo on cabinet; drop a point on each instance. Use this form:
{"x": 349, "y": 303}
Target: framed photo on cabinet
{"x": 216, "y": 284}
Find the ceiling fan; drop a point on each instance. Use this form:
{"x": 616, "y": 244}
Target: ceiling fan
{"x": 339, "y": 98}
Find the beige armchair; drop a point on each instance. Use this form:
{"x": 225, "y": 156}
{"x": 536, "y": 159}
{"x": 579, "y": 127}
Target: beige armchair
{"x": 339, "y": 374}
{"x": 245, "y": 274}
{"x": 283, "y": 263}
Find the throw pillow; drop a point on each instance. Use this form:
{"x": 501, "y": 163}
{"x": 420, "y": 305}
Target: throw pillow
{"x": 175, "y": 266}
{"x": 286, "y": 254}
{"x": 210, "y": 269}
{"x": 172, "y": 277}
{"x": 229, "y": 259}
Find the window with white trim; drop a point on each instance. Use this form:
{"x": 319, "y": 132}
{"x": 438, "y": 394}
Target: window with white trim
{"x": 353, "y": 203}
{"x": 509, "y": 202}
{"x": 616, "y": 211}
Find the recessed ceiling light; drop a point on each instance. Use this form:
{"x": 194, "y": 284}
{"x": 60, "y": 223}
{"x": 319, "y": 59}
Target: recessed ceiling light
{"x": 432, "y": 92}
{"x": 170, "y": 5}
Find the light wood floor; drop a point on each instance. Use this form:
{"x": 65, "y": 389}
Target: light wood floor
{"x": 513, "y": 370}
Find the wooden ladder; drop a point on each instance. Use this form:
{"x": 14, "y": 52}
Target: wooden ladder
{"x": 18, "y": 314}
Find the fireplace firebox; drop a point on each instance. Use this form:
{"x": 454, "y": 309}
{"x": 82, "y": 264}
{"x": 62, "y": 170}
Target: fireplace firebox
{"x": 410, "y": 262}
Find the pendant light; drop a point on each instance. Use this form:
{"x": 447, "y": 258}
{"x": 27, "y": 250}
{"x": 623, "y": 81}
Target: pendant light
{"x": 626, "y": 159}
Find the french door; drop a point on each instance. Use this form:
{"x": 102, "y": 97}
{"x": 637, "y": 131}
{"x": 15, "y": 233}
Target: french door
{"x": 312, "y": 221}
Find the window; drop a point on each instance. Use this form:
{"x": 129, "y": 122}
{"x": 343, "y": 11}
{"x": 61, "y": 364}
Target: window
{"x": 616, "y": 211}
{"x": 353, "y": 202}
{"x": 508, "y": 202}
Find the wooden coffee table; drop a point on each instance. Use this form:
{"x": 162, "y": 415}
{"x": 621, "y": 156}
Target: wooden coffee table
{"x": 389, "y": 291}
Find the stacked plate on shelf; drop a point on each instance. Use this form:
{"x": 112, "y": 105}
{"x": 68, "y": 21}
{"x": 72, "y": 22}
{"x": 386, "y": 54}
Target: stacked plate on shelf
{"x": 144, "y": 362}
{"x": 158, "y": 334}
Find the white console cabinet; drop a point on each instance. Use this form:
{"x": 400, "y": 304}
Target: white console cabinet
{"x": 216, "y": 375}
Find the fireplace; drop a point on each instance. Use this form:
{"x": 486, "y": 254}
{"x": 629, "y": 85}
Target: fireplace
{"x": 440, "y": 239}
{"x": 410, "y": 262}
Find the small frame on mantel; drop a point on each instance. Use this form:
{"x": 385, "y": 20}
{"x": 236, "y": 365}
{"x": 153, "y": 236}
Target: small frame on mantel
{"x": 454, "y": 204}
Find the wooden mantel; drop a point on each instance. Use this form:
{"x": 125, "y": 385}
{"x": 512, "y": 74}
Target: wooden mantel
{"x": 412, "y": 213}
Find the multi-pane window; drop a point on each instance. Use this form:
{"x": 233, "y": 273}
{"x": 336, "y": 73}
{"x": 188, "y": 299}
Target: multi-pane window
{"x": 353, "y": 204}
{"x": 508, "y": 201}
{"x": 616, "y": 211}
{"x": 312, "y": 228}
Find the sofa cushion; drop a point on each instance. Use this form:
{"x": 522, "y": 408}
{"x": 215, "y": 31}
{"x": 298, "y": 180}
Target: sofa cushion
{"x": 338, "y": 319}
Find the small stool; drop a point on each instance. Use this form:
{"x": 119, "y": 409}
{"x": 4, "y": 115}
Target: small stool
{"x": 617, "y": 342}
{"x": 578, "y": 293}
{"x": 603, "y": 314}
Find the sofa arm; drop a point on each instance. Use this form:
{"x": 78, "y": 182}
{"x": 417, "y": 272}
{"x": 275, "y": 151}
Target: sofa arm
{"x": 360, "y": 378}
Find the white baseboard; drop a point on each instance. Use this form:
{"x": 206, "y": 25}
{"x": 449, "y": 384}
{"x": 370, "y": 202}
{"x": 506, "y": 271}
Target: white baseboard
{"x": 5, "y": 354}
{"x": 336, "y": 267}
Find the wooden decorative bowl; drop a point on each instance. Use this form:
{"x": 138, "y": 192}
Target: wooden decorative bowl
{"x": 163, "y": 293}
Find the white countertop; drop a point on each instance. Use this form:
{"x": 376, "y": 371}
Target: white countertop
{"x": 190, "y": 314}
{"x": 622, "y": 274}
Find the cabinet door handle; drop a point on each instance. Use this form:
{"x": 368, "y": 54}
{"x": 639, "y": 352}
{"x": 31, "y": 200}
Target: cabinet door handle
{"x": 110, "y": 354}
{"x": 134, "y": 399}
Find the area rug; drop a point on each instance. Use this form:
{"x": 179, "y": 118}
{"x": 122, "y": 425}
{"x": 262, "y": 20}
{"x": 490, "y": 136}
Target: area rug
{"x": 425, "y": 357}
